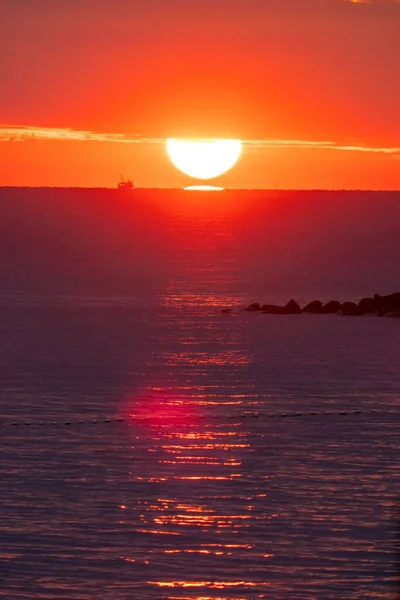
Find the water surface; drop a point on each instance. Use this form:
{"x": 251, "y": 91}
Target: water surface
{"x": 155, "y": 448}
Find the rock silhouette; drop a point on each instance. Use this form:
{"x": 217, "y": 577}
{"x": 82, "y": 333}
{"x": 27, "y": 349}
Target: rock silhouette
{"x": 387, "y": 304}
{"x": 330, "y": 308}
{"x": 291, "y": 308}
{"x": 266, "y": 307}
{"x": 350, "y": 309}
{"x": 271, "y": 309}
{"x": 368, "y": 306}
{"x": 253, "y": 307}
{"x": 313, "y": 307}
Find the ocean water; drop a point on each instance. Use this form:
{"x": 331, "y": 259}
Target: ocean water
{"x": 154, "y": 448}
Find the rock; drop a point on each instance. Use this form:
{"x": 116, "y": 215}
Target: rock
{"x": 331, "y": 308}
{"x": 253, "y": 307}
{"x": 226, "y": 310}
{"x": 387, "y": 304}
{"x": 271, "y": 309}
{"x": 267, "y": 307}
{"x": 313, "y": 307}
{"x": 368, "y": 306}
{"x": 350, "y": 309}
{"x": 394, "y": 314}
{"x": 291, "y": 308}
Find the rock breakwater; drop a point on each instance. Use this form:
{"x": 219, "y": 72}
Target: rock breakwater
{"x": 381, "y": 306}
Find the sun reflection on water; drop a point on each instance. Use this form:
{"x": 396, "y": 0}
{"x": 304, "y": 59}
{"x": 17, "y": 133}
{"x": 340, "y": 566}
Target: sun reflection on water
{"x": 197, "y": 504}
{"x": 203, "y": 188}
{"x": 192, "y": 475}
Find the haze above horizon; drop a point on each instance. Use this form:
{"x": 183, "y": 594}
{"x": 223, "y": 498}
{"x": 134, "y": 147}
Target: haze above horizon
{"x": 91, "y": 90}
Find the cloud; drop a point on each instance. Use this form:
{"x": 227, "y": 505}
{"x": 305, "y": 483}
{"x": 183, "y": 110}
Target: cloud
{"x": 324, "y": 145}
{"x": 21, "y": 133}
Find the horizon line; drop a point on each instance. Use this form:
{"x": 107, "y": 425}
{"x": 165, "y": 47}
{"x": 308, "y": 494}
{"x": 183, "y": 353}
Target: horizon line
{"x": 126, "y": 194}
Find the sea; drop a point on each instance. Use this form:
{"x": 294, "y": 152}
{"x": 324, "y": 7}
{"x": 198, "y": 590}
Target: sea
{"x": 156, "y": 448}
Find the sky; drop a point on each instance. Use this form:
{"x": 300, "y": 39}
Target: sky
{"x": 90, "y": 89}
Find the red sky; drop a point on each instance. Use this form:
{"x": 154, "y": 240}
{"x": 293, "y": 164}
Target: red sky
{"x": 320, "y": 71}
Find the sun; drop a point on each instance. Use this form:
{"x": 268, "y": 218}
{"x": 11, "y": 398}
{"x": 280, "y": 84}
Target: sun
{"x": 204, "y": 159}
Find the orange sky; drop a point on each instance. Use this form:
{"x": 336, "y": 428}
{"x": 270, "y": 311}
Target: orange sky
{"x": 312, "y": 71}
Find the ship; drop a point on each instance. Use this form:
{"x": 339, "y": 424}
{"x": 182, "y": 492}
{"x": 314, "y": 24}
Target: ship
{"x": 125, "y": 184}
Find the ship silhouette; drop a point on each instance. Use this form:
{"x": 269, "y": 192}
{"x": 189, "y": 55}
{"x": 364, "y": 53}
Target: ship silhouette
{"x": 125, "y": 184}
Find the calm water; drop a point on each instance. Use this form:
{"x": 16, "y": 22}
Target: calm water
{"x": 157, "y": 463}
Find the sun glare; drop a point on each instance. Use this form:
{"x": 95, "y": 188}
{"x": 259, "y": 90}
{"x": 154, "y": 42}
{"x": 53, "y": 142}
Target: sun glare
{"x": 204, "y": 159}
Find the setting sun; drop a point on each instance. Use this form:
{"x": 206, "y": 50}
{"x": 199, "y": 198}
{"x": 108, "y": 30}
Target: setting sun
{"x": 204, "y": 159}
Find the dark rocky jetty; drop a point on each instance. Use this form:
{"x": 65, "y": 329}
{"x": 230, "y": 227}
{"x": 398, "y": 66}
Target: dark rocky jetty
{"x": 388, "y": 306}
